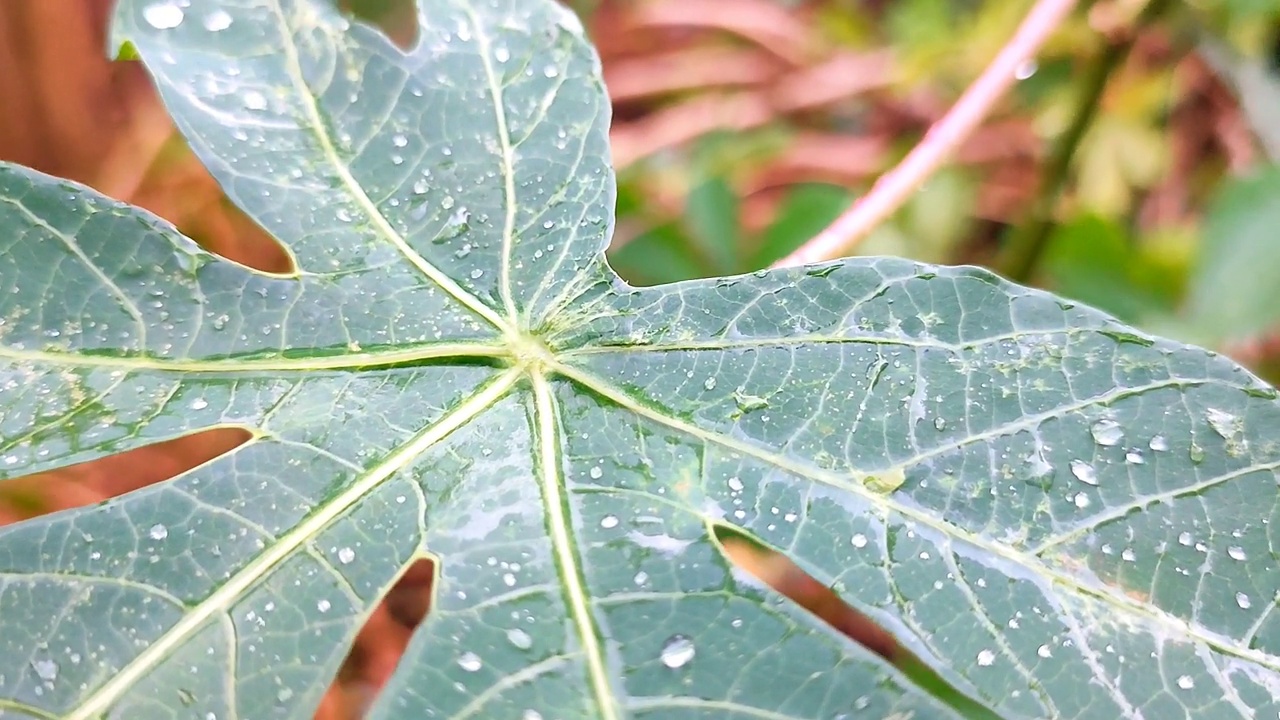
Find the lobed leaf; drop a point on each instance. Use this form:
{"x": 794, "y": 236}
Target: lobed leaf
{"x": 1061, "y": 516}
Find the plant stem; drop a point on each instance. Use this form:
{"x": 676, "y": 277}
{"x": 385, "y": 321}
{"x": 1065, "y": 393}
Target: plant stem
{"x": 1025, "y": 243}
{"x": 894, "y": 187}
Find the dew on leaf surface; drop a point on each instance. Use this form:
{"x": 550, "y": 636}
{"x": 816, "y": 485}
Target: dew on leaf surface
{"x": 986, "y": 658}
{"x": 1223, "y": 423}
{"x": 163, "y": 15}
{"x": 520, "y": 638}
{"x": 1185, "y": 682}
{"x": 609, "y": 521}
{"x": 217, "y": 21}
{"x": 1236, "y": 553}
{"x": 1106, "y": 432}
{"x": 1084, "y": 472}
{"x": 677, "y": 651}
{"x": 1243, "y": 601}
{"x": 1158, "y": 443}
{"x": 46, "y": 669}
{"x": 158, "y": 532}
{"x": 470, "y": 662}
{"x": 346, "y": 555}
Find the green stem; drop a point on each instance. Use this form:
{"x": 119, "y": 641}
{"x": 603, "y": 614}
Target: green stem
{"x": 1025, "y": 243}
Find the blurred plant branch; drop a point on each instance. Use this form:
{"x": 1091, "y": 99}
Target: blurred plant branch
{"x": 896, "y": 186}
{"x": 1025, "y": 243}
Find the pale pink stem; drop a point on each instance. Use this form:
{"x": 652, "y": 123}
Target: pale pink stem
{"x": 894, "y": 187}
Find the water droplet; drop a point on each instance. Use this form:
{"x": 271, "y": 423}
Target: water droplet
{"x": 551, "y": 71}
{"x": 1158, "y": 443}
{"x": 46, "y": 669}
{"x": 1134, "y": 457}
{"x": 1223, "y": 423}
{"x": 641, "y": 578}
{"x": 596, "y": 472}
{"x": 255, "y": 100}
{"x": 520, "y": 638}
{"x": 531, "y": 715}
{"x": 163, "y": 15}
{"x": 709, "y": 383}
{"x": 477, "y": 274}
{"x": 859, "y": 541}
{"x": 217, "y": 20}
{"x": 1084, "y": 472}
{"x": 399, "y": 140}
{"x": 346, "y": 555}
{"x": 1237, "y": 553}
{"x": 1025, "y": 69}
{"x": 735, "y": 484}
{"x": 1184, "y": 538}
{"x": 199, "y": 404}
{"x": 1185, "y": 682}
{"x": 158, "y": 532}
{"x": 1081, "y": 500}
{"x": 501, "y": 54}
{"x": 939, "y": 424}
{"x": 1106, "y": 432}
{"x": 1044, "y": 651}
{"x": 1243, "y": 601}
{"x": 1196, "y": 453}
{"x": 469, "y": 661}
{"x": 284, "y": 695}
{"x": 1128, "y": 555}
{"x": 609, "y": 521}
{"x": 986, "y": 657}
{"x": 749, "y": 403}
{"x": 420, "y": 186}
{"x": 677, "y": 651}
{"x": 323, "y": 606}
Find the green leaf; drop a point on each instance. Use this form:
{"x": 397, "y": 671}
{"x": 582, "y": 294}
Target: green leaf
{"x": 1233, "y": 293}
{"x": 1060, "y": 516}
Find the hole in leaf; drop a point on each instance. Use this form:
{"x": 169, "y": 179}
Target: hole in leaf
{"x": 397, "y": 19}
{"x": 380, "y": 644}
{"x": 780, "y": 573}
{"x": 86, "y": 483}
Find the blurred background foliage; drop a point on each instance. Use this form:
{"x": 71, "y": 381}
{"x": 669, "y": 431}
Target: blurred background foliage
{"x": 743, "y": 127}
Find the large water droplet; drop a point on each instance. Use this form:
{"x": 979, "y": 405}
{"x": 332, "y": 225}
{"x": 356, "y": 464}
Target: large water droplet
{"x": 255, "y": 100}
{"x": 1223, "y": 423}
{"x": 217, "y": 21}
{"x": 163, "y": 15}
{"x": 158, "y": 532}
{"x": 986, "y": 658}
{"x": 470, "y": 662}
{"x": 1158, "y": 443}
{"x": 346, "y": 555}
{"x": 1185, "y": 682}
{"x": 859, "y": 541}
{"x": 1243, "y": 601}
{"x": 1106, "y": 432}
{"x": 677, "y": 651}
{"x": 1236, "y": 553}
{"x": 609, "y": 521}
{"x": 1084, "y": 472}
{"x": 520, "y": 638}
{"x": 46, "y": 669}
{"x": 735, "y": 484}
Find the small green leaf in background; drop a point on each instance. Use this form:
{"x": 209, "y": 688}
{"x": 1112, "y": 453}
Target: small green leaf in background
{"x": 805, "y": 212}
{"x": 1093, "y": 260}
{"x": 1235, "y": 288}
